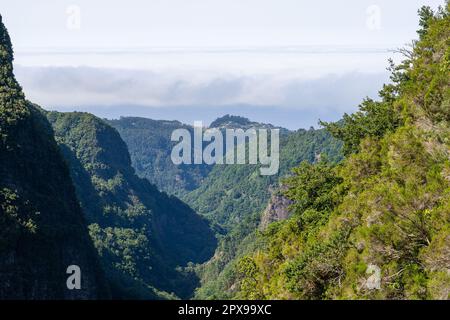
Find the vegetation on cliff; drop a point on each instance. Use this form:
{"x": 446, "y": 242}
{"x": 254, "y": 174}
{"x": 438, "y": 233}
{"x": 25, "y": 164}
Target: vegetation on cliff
{"x": 376, "y": 226}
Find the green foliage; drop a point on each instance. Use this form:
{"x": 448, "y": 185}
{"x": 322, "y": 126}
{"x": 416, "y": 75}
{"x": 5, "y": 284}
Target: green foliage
{"x": 431, "y": 66}
{"x": 142, "y": 235}
{"x": 42, "y": 227}
{"x": 237, "y": 122}
{"x": 426, "y": 15}
{"x": 150, "y": 147}
{"x": 248, "y": 269}
{"x": 125, "y": 248}
{"x": 315, "y": 183}
{"x": 385, "y": 206}
{"x": 373, "y": 119}
{"x": 12, "y": 101}
{"x": 232, "y": 197}
{"x": 17, "y": 217}
{"x": 231, "y": 193}
{"x": 423, "y": 74}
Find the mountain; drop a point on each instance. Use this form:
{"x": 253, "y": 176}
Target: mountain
{"x": 233, "y": 198}
{"x": 150, "y": 147}
{"x": 231, "y": 193}
{"x": 77, "y": 201}
{"x": 145, "y": 238}
{"x": 43, "y": 230}
{"x": 358, "y": 210}
{"x": 377, "y": 225}
{"x": 238, "y": 122}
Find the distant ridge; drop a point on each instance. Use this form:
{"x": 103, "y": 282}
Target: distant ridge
{"x": 238, "y": 122}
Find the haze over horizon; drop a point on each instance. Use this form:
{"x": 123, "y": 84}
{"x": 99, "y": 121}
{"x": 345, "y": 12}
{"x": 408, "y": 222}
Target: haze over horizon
{"x": 286, "y": 62}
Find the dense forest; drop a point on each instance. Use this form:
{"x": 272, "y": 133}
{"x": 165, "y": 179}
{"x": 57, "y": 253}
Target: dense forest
{"x": 360, "y": 209}
{"x": 145, "y": 238}
{"x": 43, "y": 230}
{"x": 231, "y": 197}
{"x": 377, "y": 225}
{"x": 69, "y": 196}
{"x": 150, "y": 147}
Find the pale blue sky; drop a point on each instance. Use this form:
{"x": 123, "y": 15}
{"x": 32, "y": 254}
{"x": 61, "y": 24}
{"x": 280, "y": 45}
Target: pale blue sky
{"x": 310, "y": 59}
{"x": 131, "y": 23}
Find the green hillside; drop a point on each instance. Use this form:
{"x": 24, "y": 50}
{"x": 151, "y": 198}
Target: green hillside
{"x": 376, "y": 226}
{"x": 149, "y": 144}
{"x": 358, "y": 210}
{"x": 150, "y": 147}
{"x": 43, "y": 231}
{"x": 144, "y": 237}
{"x": 233, "y": 197}
{"x": 232, "y": 193}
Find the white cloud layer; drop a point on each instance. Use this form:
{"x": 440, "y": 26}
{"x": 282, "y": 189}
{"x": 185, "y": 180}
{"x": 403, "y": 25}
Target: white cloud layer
{"x": 102, "y": 89}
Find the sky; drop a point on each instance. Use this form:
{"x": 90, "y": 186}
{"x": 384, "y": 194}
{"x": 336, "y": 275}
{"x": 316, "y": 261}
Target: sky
{"x": 289, "y": 62}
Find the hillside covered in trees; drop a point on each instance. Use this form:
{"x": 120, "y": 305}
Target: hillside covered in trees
{"x": 231, "y": 197}
{"x": 145, "y": 238}
{"x": 377, "y": 225}
{"x": 359, "y": 209}
{"x": 43, "y": 230}
{"x": 69, "y": 196}
{"x": 149, "y": 144}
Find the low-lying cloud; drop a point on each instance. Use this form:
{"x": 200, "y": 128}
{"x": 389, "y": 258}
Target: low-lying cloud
{"x": 82, "y": 88}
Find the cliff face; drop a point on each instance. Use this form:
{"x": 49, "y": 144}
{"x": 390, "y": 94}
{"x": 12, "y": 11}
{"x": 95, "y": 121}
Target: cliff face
{"x": 42, "y": 230}
{"x": 277, "y": 210}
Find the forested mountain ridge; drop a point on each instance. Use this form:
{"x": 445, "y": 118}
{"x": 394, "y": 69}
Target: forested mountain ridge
{"x": 231, "y": 193}
{"x": 358, "y": 210}
{"x": 376, "y": 226}
{"x": 233, "y": 198}
{"x": 143, "y": 236}
{"x": 43, "y": 230}
{"x": 150, "y": 147}
{"x": 238, "y": 122}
